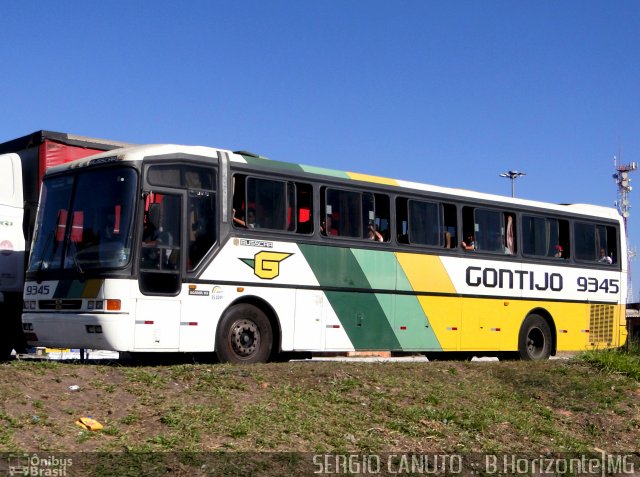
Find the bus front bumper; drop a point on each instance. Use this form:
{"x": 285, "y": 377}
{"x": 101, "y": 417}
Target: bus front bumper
{"x": 106, "y": 331}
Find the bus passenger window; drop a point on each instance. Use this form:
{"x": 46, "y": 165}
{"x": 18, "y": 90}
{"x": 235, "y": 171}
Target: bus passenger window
{"x": 487, "y": 229}
{"x": 510, "y": 242}
{"x": 595, "y": 243}
{"x": 450, "y": 224}
{"x": 303, "y": 205}
{"x": 422, "y": 222}
{"x": 545, "y": 237}
{"x": 342, "y": 212}
{"x": 202, "y": 219}
{"x": 402, "y": 221}
{"x": 354, "y": 214}
{"x": 382, "y": 208}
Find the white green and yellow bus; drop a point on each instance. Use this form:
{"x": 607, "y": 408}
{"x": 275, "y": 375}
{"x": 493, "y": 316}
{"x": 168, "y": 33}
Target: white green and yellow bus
{"x": 167, "y": 248}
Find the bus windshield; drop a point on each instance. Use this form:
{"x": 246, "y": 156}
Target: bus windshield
{"x": 85, "y": 221}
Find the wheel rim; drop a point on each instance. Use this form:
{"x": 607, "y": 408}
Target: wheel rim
{"x": 245, "y": 337}
{"x": 535, "y": 342}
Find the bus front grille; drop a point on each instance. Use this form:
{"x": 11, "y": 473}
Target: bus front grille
{"x": 601, "y": 324}
{"x": 60, "y": 304}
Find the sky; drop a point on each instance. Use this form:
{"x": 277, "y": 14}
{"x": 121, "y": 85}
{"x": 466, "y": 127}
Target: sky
{"x": 450, "y": 93}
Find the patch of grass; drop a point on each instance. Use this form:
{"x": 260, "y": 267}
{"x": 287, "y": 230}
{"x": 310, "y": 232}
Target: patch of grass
{"x": 440, "y": 407}
{"x": 147, "y": 376}
{"x": 131, "y": 418}
{"x": 38, "y": 367}
{"x": 620, "y": 360}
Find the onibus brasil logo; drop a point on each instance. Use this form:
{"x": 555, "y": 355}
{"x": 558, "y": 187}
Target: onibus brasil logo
{"x": 266, "y": 265}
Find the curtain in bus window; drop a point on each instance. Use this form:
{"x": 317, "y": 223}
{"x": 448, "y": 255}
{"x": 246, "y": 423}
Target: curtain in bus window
{"x": 511, "y": 246}
{"x": 605, "y": 253}
{"x": 343, "y": 213}
{"x": 585, "y": 241}
{"x": 553, "y": 240}
{"x": 268, "y": 200}
{"x": 540, "y": 236}
{"x": 424, "y": 223}
{"x": 612, "y": 244}
{"x": 368, "y": 215}
{"x": 291, "y": 205}
{"x": 489, "y": 231}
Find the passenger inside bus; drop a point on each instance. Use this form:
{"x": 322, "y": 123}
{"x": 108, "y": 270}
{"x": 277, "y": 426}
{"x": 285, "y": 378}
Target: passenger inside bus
{"x": 604, "y": 258}
{"x": 447, "y": 240}
{"x": 501, "y": 246}
{"x": 327, "y": 227}
{"x": 150, "y": 229}
{"x": 250, "y": 223}
{"x": 161, "y": 225}
{"x": 469, "y": 243}
{"x": 374, "y": 234}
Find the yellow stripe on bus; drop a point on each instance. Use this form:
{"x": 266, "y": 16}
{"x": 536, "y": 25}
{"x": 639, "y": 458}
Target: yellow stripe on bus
{"x": 375, "y": 179}
{"x": 425, "y": 273}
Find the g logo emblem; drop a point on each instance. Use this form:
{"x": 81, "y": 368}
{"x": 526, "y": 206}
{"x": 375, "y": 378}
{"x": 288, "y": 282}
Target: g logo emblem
{"x": 266, "y": 265}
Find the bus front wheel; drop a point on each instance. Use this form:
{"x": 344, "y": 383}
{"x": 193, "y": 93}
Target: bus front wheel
{"x": 244, "y": 335}
{"x": 534, "y": 341}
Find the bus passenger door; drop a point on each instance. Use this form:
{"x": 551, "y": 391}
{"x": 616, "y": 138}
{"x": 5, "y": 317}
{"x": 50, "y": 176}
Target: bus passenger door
{"x": 157, "y": 324}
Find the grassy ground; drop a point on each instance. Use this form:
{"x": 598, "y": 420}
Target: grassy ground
{"x": 587, "y": 404}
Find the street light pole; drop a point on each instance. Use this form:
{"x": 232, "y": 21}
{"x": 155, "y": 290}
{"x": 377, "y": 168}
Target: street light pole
{"x": 513, "y": 175}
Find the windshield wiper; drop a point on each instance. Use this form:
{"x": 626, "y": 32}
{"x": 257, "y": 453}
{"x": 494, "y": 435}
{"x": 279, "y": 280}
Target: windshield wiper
{"x": 75, "y": 259}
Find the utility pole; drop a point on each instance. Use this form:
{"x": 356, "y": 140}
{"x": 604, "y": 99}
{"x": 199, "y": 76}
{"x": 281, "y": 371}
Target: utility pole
{"x": 513, "y": 175}
{"x": 623, "y": 181}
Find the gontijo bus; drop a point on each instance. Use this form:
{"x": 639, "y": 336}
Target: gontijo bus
{"x": 193, "y": 249}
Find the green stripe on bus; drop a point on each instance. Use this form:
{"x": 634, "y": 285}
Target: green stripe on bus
{"x": 257, "y": 161}
{"x": 365, "y": 317}
{"x": 335, "y": 266}
{"x": 325, "y": 172}
{"x": 268, "y": 163}
{"x": 364, "y": 320}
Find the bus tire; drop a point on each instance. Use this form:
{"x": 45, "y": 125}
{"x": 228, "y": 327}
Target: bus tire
{"x": 244, "y": 335}
{"x": 534, "y": 340}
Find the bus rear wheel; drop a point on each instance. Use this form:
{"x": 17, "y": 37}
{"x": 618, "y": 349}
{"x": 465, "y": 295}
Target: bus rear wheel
{"x": 534, "y": 340}
{"x": 244, "y": 335}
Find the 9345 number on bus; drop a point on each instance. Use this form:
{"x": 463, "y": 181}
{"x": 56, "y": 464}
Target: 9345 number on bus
{"x": 593, "y": 285}
{"x": 36, "y": 290}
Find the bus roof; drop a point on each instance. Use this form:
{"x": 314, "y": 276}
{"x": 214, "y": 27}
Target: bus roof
{"x": 138, "y": 153}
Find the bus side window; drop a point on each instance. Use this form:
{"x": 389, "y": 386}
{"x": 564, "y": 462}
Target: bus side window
{"x": 450, "y": 225}
{"x": 239, "y": 213}
{"x": 402, "y": 221}
{"x": 468, "y": 241}
{"x": 510, "y": 233}
{"x": 202, "y": 230}
{"x": 383, "y": 216}
{"x": 595, "y": 243}
{"x": 303, "y": 207}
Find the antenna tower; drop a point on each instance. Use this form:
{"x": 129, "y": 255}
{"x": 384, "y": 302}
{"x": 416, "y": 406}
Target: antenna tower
{"x": 623, "y": 181}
